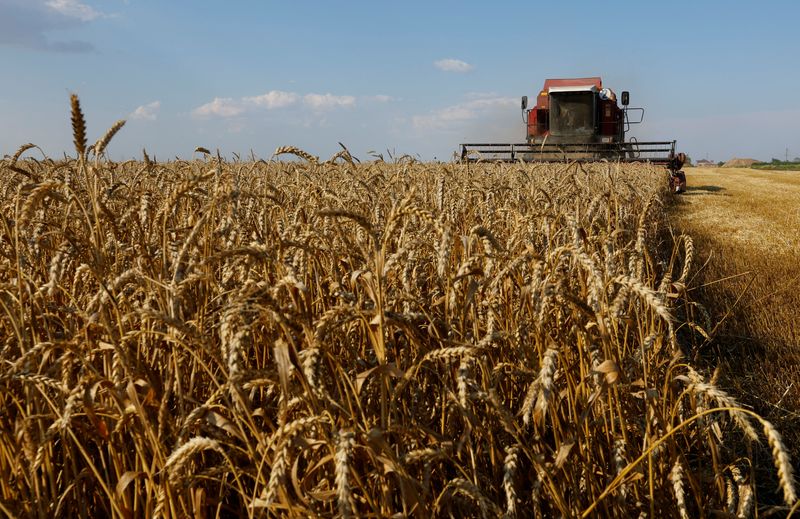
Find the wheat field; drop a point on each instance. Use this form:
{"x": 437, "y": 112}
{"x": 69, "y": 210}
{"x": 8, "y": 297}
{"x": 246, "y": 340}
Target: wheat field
{"x": 300, "y": 338}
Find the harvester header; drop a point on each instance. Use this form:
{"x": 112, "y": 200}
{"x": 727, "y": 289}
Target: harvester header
{"x": 579, "y": 119}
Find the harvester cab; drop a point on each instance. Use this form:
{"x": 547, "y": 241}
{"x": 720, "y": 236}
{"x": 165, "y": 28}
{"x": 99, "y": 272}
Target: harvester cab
{"x": 580, "y": 120}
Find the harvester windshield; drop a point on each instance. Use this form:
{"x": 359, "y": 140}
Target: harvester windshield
{"x": 572, "y": 113}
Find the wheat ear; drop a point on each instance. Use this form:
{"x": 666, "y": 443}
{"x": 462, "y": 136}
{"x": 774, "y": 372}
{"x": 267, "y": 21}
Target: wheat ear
{"x": 78, "y": 125}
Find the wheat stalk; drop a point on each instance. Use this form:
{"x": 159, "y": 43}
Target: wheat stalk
{"x": 783, "y": 464}
{"x": 78, "y": 126}
{"x": 178, "y": 459}
{"x": 676, "y": 477}
{"x": 509, "y": 471}
{"x": 102, "y": 142}
{"x": 291, "y": 150}
{"x": 344, "y": 452}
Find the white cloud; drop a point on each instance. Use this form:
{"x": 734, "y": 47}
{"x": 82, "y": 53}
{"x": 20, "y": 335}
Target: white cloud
{"x": 480, "y": 95}
{"x": 148, "y": 112}
{"x": 220, "y": 107}
{"x": 453, "y": 65}
{"x": 272, "y": 99}
{"x": 328, "y": 101}
{"x": 74, "y": 9}
{"x": 453, "y": 116}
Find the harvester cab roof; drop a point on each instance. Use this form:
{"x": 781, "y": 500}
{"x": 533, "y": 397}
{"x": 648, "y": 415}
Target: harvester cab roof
{"x": 574, "y": 88}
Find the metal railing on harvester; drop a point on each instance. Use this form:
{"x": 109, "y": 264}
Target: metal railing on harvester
{"x": 633, "y": 151}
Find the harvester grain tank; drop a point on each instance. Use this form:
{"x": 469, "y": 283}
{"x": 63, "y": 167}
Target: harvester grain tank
{"x": 580, "y": 120}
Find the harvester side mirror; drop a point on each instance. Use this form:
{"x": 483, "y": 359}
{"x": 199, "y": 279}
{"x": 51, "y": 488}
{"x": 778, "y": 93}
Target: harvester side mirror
{"x": 524, "y": 102}
{"x": 626, "y": 98}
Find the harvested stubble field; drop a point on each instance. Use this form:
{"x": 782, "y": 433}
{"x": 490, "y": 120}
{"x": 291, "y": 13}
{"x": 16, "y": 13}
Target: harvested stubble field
{"x": 746, "y": 228}
{"x": 214, "y": 338}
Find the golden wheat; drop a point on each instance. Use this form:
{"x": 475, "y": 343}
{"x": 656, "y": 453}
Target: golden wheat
{"x": 344, "y": 338}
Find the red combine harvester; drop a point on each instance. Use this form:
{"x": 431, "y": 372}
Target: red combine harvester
{"x": 579, "y": 120}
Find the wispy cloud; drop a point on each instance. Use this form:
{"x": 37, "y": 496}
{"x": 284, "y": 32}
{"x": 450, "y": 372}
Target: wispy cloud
{"x": 28, "y": 23}
{"x": 451, "y": 117}
{"x": 480, "y": 95}
{"x": 274, "y": 99}
{"x": 148, "y": 112}
{"x": 453, "y": 65}
{"x": 74, "y": 9}
{"x": 328, "y": 101}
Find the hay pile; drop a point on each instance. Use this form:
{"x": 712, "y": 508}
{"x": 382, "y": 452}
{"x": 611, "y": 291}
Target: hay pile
{"x": 739, "y": 163}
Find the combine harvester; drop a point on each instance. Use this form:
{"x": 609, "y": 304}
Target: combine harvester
{"x": 579, "y": 120}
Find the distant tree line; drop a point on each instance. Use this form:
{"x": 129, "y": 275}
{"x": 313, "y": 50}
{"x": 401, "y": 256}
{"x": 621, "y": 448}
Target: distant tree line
{"x": 779, "y": 165}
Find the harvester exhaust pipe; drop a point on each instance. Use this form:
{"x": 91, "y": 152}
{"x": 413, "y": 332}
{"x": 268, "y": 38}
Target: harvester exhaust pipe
{"x": 679, "y": 161}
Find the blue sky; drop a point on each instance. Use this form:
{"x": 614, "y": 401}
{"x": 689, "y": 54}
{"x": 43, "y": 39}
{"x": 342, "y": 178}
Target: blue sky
{"x": 411, "y": 77}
